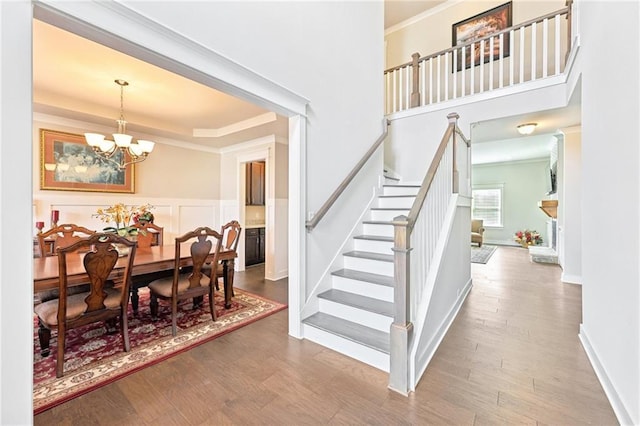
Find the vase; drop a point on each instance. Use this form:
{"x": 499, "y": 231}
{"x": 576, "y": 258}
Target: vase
{"x": 123, "y": 250}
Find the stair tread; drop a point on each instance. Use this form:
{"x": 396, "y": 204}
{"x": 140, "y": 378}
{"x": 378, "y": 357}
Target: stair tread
{"x": 365, "y": 276}
{"x": 377, "y": 222}
{"x": 369, "y": 255}
{"x": 391, "y": 208}
{"x": 374, "y": 238}
{"x": 400, "y": 185}
{"x": 354, "y": 300}
{"x": 367, "y": 336}
{"x": 397, "y": 196}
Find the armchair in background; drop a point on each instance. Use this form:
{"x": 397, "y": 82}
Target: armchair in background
{"x": 476, "y": 231}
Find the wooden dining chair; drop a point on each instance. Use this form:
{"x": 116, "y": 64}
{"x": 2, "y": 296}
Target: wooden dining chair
{"x": 147, "y": 232}
{"x": 145, "y": 240}
{"x": 49, "y": 241}
{"x": 193, "y": 284}
{"x": 61, "y": 236}
{"x": 231, "y": 231}
{"x": 101, "y": 303}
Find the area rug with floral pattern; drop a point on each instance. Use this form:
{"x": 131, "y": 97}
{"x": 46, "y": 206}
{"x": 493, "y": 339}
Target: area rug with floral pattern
{"x": 94, "y": 358}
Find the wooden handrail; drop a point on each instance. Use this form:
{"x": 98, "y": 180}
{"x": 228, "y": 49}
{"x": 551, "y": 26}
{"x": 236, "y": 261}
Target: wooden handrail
{"x": 464, "y": 138}
{"x": 562, "y": 11}
{"x": 310, "y": 224}
{"x": 431, "y": 173}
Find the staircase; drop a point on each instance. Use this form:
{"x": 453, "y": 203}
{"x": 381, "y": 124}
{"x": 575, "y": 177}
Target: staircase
{"x": 355, "y": 315}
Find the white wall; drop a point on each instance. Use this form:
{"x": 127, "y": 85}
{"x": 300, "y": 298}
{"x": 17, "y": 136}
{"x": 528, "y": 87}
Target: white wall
{"x": 570, "y": 206}
{"x": 524, "y": 185}
{"x": 610, "y": 196}
{"x": 308, "y": 48}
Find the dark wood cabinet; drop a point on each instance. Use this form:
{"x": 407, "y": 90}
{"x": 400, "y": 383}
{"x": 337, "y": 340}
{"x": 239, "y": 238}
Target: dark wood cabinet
{"x": 255, "y": 183}
{"x": 261, "y": 245}
{"x": 254, "y": 246}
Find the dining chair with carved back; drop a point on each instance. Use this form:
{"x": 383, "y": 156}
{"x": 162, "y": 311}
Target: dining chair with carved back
{"x": 231, "y": 232}
{"x": 146, "y": 237}
{"x": 147, "y": 232}
{"x": 194, "y": 283}
{"x": 60, "y": 236}
{"x": 102, "y": 302}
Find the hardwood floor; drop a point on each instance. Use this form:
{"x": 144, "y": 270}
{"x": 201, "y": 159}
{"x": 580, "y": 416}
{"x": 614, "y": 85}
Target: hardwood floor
{"x": 512, "y": 356}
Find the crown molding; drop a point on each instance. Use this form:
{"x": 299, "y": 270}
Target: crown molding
{"x": 419, "y": 17}
{"x": 239, "y": 126}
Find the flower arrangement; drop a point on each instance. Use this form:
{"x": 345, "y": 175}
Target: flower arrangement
{"x": 528, "y": 238}
{"x": 122, "y": 215}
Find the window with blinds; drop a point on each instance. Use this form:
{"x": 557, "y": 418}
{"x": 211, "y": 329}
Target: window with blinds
{"x": 487, "y": 205}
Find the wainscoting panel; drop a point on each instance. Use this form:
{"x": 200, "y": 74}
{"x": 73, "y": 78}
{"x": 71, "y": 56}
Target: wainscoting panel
{"x": 177, "y": 216}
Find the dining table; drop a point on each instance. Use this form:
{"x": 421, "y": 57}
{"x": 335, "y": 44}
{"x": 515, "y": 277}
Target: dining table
{"x": 147, "y": 262}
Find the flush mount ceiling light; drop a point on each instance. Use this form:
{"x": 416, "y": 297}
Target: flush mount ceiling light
{"x": 123, "y": 149}
{"x": 527, "y": 129}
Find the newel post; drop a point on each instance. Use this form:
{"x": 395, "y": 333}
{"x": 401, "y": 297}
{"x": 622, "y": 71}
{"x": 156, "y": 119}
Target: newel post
{"x": 415, "y": 91}
{"x": 402, "y": 328}
{"x": 453, "y": 121}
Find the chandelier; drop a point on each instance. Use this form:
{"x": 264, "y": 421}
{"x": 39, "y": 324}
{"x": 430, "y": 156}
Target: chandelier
{"x": 125, "y": 145}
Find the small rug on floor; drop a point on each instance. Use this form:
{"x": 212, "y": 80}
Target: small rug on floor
{"x": 482, "y": 254}
{"x": 94, "y": 358}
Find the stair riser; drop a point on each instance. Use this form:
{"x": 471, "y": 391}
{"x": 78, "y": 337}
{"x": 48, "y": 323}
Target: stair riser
{"x": 357, "y": 315}
{"x": 347, "y": 347}
{"x": 363, "y": 288}
{"x": 396, "y": 202}
{"x": 383, "y": 247}
{"x": 379, "y": 230}
{"x": 368, "y": 265}
{"x": 400, "y": 190}
{"x": 388, "y": 214}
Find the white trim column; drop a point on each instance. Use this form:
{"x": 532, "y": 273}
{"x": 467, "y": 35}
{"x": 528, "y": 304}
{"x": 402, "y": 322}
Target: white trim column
{"x": 16, "y": 221}
{"x": 297, "y": 222}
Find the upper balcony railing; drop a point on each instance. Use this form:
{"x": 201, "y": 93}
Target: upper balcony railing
{"x": 532, "y": 50}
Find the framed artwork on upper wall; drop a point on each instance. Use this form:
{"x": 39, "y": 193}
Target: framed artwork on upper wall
{"x": 68, "y": 163}
{"x": 479, "y": 26}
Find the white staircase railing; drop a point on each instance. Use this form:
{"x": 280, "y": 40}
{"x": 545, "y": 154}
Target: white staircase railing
{"x": 532, "y": 50}
{"x": 427, "y": 226}
{"x": 415, "y": 239}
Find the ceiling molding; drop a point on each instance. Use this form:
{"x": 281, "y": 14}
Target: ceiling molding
{"x": 421, "y": 16}
{"x": 248, "y": 145}
{"x": 524, "y": 161}
{"x": 249, "y": 123}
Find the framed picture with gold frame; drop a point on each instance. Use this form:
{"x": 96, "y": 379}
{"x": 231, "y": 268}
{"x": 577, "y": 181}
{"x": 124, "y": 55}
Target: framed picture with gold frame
{"x": 68, "y": 163}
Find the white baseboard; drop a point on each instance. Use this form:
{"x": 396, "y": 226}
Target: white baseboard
{"x": 614, "y": 399}
{"x": 278, "y": 276}
{"x": 571, "y": 279}
{"x": 501, "y": 243}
